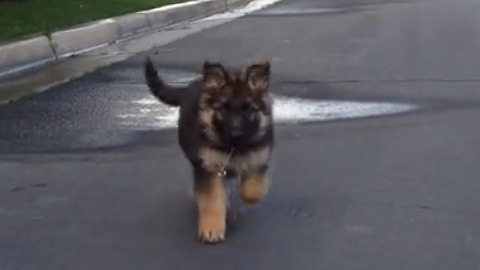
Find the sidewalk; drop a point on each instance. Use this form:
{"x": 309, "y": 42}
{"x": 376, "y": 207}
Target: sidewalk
{"x": 40, "y": 50}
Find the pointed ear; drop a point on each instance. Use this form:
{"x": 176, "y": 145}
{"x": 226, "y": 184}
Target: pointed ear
{"x": 257, "y": 75}
{"x": 214, "y": 75}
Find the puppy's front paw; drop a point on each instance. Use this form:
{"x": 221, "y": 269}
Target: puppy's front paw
{"x": 211, "y": 228}
{"x": 212, "y": 211}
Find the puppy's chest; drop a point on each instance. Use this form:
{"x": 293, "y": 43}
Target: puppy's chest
{"x": 214, "y": 160}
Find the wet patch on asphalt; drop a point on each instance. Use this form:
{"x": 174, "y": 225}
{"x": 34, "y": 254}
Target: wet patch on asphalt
{"x": 147, "y": 113}
{"x": 112, "y": 108}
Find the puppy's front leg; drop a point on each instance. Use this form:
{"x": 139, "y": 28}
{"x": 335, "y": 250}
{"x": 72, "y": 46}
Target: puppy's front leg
{"x": 254, "y": 185}
{"x": 211, "y": 202}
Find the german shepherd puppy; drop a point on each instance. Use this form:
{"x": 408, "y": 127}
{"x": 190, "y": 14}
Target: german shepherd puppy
{"x": 225, "y": 128}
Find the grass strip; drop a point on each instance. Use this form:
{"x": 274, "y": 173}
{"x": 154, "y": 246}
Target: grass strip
{"x": 19, "y": 18}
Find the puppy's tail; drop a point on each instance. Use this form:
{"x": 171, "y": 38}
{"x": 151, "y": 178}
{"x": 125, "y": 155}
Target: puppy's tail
{"x": 164, "y": 92}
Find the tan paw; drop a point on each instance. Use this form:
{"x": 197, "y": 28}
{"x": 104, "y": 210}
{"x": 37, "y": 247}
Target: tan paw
{"x": 253, "y": 188}
{"x": 212, "y": 211}
{"x": 212, "y": 228}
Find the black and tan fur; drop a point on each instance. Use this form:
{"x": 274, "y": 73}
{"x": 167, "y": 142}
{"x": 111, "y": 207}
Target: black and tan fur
{"x": 222, "y": 113}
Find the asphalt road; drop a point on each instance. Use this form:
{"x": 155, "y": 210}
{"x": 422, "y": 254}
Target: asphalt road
{"x": 82, "y": 189}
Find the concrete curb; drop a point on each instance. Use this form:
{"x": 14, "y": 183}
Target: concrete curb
{"x": 26, "y": 54}
{"x": 68, "y": 42}
{"x": 132, "y": 24}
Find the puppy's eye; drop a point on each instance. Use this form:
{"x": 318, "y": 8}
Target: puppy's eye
{"x": 218, "y": 105}
{"x": 248, "y": 108}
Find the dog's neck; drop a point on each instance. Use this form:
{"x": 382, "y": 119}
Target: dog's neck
{"x": 223, "y": 167}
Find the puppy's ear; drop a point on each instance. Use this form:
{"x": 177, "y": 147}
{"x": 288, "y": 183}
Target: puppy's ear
{"x": 257, "y": 75}
{"x": 214, "y": 75}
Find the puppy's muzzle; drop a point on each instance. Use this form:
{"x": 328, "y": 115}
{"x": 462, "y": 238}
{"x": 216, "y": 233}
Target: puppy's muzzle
{"x": 236, "y": 128}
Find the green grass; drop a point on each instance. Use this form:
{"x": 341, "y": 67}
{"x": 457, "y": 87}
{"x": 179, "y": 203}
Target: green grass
{"x": 24, "y": 17}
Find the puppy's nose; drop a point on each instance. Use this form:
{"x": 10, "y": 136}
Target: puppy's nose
{"x": 236, "y": 127}
{"x": 236, "y": 132}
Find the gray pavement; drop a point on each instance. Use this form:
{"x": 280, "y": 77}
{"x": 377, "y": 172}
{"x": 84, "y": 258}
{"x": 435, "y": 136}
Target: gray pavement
{"x": 80, "y": 189}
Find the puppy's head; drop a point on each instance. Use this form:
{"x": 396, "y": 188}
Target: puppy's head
{"x": 235, "y": 108}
